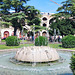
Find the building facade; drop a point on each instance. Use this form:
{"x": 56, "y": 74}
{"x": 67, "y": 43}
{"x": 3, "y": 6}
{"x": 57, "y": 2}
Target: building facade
{"x": 5, "y": 32}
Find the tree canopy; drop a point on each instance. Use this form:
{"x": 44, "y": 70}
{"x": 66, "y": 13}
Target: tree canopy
{"x": 64, "y": 19}
{"x": 21, "y": 14}
{"x": 32, "y": 15}
{"x": 67, "y": 8}
{"x": 65, "y": 26}
{"x": 16, "y": 5}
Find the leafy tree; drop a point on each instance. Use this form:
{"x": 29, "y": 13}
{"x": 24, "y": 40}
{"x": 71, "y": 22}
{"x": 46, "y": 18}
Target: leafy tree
{"x": 68, "y": 8}
{"x": 16, "y": 5}
{"x": 5, "y": 6}
{"x": 15, "y": 20}
{"x": 65, "y": 26}
{"x": 32, "y": 15}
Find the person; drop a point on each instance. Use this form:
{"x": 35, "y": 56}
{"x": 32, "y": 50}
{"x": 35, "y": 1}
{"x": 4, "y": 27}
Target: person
{"x": 59, "y": 39}
{"x": 36, "y": 35}
{"x": 28, "y": 35}
{"x": 50, "y": 39}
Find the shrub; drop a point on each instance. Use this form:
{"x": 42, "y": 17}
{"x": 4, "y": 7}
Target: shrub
{"x": 41, "y": 41}
{"x": 12, "y": 41}
{"x": 72, "y": 64}
{"x": 68, "y": 41}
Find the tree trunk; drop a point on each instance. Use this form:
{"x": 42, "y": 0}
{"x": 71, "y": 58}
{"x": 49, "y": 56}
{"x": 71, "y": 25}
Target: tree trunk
{"x": 15, "y": 29}
{"x": 16, "y": 10}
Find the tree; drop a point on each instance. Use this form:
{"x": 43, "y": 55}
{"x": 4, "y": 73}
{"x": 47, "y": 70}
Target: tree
{"x": 32, "y": 15}
{"x": 5, "y": 6}
{"x": 68, "y": 8}
{"x": 65, "y": 26}
{"x": 62, "y": 21}
{"x": 16, "y": 5}
{"x": 18, "y": 19}
{"x": 15, "y": 20}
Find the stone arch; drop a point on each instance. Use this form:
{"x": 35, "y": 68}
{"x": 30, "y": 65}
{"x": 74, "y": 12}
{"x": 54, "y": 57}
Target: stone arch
{"x": 12, "y": 33}
{"x": 44, "y": 33}
{"x": 44, "y": 18}
{"x": 52, "y": 19}
{"x": 6, "y": 34}
{"x": 44, "y": 25}
{"x": 20, "y": 35}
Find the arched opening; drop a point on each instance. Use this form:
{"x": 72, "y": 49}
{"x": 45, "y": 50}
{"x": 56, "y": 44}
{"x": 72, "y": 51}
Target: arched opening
{"x": 6, "y": 34}
{"x": 20, "y": 35}
{"x": 44, "y": 25}
{"x": 13, "y": 33}
{"x": 44, "y": 33}
{"x": 44, "y": 19}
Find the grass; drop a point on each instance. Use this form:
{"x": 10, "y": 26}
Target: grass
{"x": 58, "y": 46}
{"x": 2, "y": 40}
{"x": 13, "y": 47}
{"x": 20, "y": 40}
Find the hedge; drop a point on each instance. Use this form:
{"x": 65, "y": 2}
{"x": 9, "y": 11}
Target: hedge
{"x": 72, "y": 64}
{"x": 12, "y": 41}
{"x": 68, "y": 41}
{"x": 41, "y": 41}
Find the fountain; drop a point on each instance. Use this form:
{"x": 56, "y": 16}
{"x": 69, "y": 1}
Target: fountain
{"x": 36, "y": 54}
{"x": 35, "y": 60}
{"x": 8, "y": 67}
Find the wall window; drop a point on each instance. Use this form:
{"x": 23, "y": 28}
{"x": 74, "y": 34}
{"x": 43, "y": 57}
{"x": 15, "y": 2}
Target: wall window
{"x": 44, "y": 19}
{"x": 44, "y": 25}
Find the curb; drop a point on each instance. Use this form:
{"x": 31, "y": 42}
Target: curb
{"x": 4, "y": 50}
{"x": 66, "y": 50}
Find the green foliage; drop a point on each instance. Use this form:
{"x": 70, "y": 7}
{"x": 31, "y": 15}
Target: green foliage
{"x": 5, "y": 6}
{"x": 41, "y": 41}
{"x": 72, "y": 64}
{"x": 65, "y": 26}
{"x": 15, "y": 19}
{"x": 68, "y": 41}
{"x": 67, "y": 9}
{"x": 17, "y": 5}
{"x": 32, "y": 15}
{"x": 12, "y": 41}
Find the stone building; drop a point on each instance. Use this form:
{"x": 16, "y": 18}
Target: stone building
{"x": 5, "y": 32}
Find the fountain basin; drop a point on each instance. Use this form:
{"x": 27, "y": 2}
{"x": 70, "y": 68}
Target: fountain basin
{"x": 9, "y": 68}
{"x": 37, "y": 54}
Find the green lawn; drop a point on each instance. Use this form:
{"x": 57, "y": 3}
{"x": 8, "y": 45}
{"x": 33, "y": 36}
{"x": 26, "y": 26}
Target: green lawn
{"x": 13, "y": 47}
{"x": 2, "y": 40}
{"x": 20, "y": 40}
{"x": 58, "y": 46}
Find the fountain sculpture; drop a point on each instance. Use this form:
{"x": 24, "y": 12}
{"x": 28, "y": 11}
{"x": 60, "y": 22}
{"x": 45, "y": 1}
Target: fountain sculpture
{"x": 37, "y": 54}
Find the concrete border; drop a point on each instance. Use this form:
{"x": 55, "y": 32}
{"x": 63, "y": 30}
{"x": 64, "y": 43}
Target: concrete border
{"x": 5, "y": 50}
{"x": 65, "y": 50}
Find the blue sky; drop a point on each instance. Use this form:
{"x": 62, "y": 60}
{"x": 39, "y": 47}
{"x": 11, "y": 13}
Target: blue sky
{"x": 45, "y": 5}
